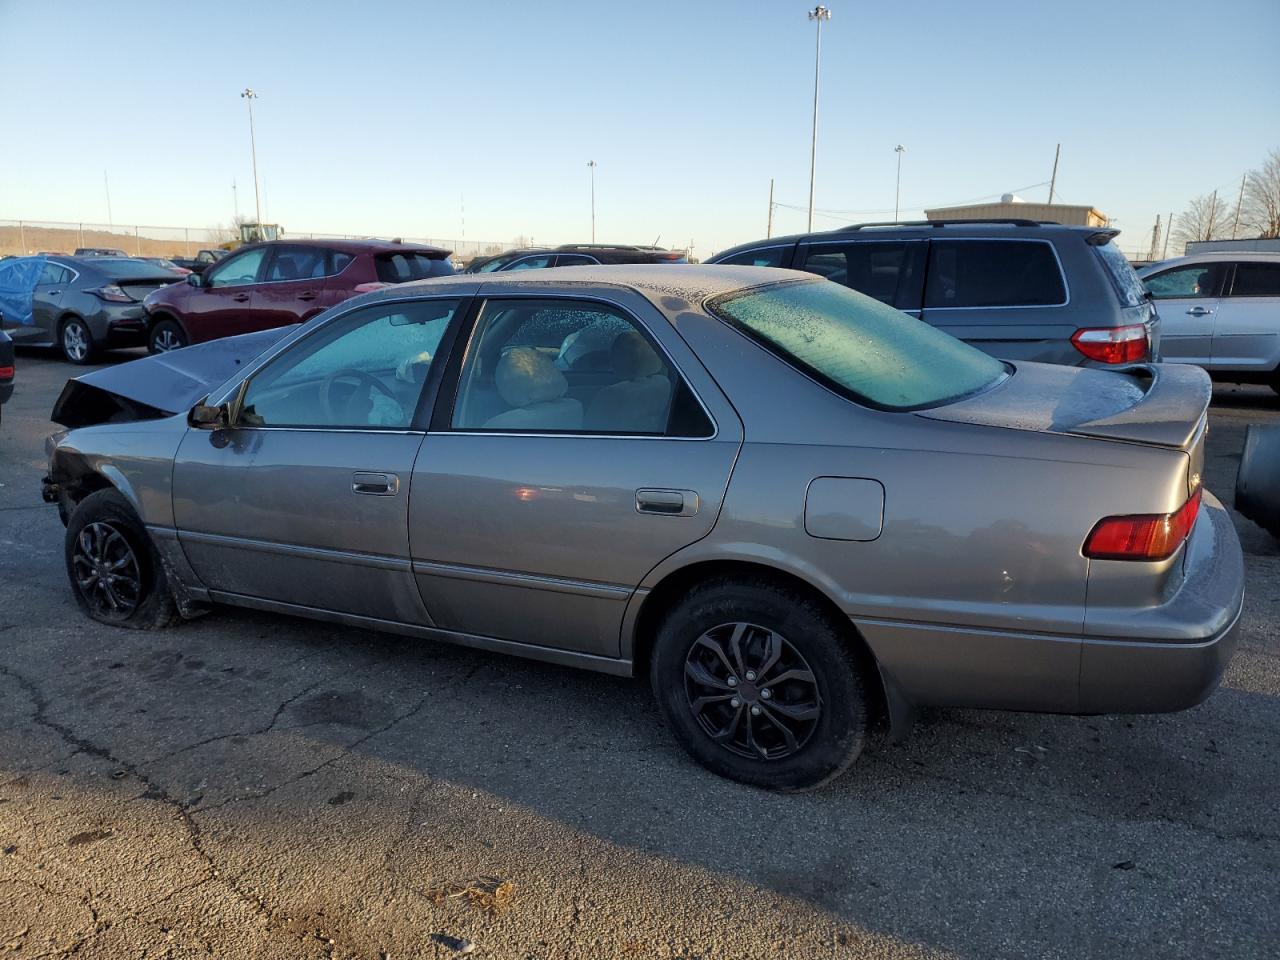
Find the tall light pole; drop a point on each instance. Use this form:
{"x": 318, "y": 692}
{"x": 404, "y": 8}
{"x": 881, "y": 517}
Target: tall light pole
{"x": 897, "y": 188}
{"x": 818, "y": 14}
{"x": 592, "y": 165}
{"x": 248, "y": 95}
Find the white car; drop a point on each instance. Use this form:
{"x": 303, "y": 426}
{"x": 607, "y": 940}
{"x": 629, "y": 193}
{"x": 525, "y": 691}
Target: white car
{"x": 1220, "y": 310}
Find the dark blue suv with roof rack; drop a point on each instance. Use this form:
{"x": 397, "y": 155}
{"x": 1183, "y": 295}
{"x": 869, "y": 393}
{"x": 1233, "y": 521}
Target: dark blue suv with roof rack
{"x": 1018, "y": 289}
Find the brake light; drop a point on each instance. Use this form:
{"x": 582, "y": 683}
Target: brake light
{"x": 6, "y": 373}
{"x": 371, "y": 286}
{"x": 1143, "y": 537}
{"x": 1113, "y": 344}
{"x": 112, "y": 293}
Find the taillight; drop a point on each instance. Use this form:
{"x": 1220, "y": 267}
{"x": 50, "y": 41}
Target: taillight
{"x": 6, "y": 373}
{"x": 1144, "y": 536}
{"x": 1113, "y": 344}
{"x": 111, "y": 293}
{"x": 371, "y": 286}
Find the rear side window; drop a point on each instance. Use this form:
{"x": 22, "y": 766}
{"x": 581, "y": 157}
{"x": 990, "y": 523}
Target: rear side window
{"x": 858, "y": 347}
{"x": 993, "y": 273}
{"x": 297, "y": 263}
{"x": 884, "y": 271}
{"x": 1123, "y": 278}
{"x": 403, "y": 266}
{"x": 1186, "y": 283}
{"x": 1256, "y": 280}
{"x": 763, "y": 257}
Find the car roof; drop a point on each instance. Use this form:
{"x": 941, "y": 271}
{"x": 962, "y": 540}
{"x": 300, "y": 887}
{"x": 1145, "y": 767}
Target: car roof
{"x": 691, "y": 283}
{"x": 367, "y": 245}
{"x": 1213, "y": 256}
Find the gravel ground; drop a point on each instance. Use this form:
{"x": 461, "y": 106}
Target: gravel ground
{"x": 248, "y": 785}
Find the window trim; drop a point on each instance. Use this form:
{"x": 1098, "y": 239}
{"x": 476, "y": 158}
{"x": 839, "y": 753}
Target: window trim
{"x": 442, "y": 416}
{"x": 430, "y": 388}
{"x": 1062, "y": 274}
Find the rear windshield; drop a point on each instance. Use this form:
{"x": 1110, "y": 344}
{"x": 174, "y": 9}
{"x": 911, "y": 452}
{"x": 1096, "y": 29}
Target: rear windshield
{"x": 859, "y": 347}
{"x": 1123, "y": 278}
{"x": 407, "y": 265}
{"x": 128, "y": 269}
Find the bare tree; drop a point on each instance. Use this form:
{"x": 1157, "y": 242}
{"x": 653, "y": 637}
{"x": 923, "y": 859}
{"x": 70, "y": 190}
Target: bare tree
{"x": 1261, "y": 208}
{"x": 1206, "y": 218}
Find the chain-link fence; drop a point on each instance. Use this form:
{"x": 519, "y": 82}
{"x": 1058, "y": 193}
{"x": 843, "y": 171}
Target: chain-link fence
{"x": 23, "y": 237}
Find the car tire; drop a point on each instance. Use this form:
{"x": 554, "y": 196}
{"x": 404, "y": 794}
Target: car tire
{"x": 105, "y": 539}
{"x": 769, "y": 633}
{"x": 75, "y": 340}
{"x": 166, "y": 335}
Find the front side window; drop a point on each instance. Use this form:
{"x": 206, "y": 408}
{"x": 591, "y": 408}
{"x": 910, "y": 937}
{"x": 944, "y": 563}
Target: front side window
{"x": 767, "y": 257}
{"x": 366, "y": 369}
{"x": 1256, "y": 280}
{"x": 859, "y": 347}
{"x": 238, "y": 270}
{"x": 1185, "y": 283}
{"x": 993, "y": 273}
{"x": 564, "y": 366}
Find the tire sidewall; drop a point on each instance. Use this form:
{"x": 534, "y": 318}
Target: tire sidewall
{"x": 156, "y": 605}
{"x": 166, "y": 323}
{"x": 842, "y": 727}
{"x": 88, "y": 339}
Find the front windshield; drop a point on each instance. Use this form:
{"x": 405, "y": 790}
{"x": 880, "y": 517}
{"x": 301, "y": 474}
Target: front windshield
{"x": 859, "y": 347}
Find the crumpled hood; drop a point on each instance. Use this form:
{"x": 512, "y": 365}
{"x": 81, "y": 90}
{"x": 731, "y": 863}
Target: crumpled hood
{"x": 159, "y": 385}
{"x": 1160, "y": 403}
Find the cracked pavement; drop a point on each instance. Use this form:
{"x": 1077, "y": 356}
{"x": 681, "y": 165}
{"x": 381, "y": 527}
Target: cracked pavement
{"x": 247, "y": 785}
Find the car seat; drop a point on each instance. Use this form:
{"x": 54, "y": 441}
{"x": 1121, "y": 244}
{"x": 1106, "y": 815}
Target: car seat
{"x": 531, "y": 385}
{"x": 641, "y": 400}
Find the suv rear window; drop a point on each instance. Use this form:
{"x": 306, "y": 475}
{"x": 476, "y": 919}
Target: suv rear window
{"x": 993, "y": 273}
{"x": 403, "y": 266}
{"x": 859, "y": 347}
{"x": 1120, "y": 270}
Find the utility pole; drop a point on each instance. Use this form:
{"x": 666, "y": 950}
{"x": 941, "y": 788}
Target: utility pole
{"x": 1053, "y": 180}
{"x": 1164, "y": 254}
{"x": 897, "y": 187}
{"x": 768, "y": 230}
{"x": 817, "y": 14}
{"x": 1155, "y": 239}
{"x": 249, "y": 96}
{"x": 1235, "y": 224}
{"x": 1213, "y": 212}
{"x": 235, "y": 200}
{"x": 592, "y": 165}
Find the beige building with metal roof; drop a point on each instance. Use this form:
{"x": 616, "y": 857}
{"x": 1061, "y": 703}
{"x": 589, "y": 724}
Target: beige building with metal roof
{"x": 1057, "y": 212}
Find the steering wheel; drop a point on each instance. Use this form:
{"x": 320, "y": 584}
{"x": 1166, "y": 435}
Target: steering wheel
{"x": 332, "y": 412}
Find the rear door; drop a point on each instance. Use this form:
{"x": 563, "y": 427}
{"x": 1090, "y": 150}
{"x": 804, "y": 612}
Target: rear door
{"x": 1004, "y": 296}
{"x": 46, "y": 302}
{"x": 891, "y": 271}
{"x": 583, "y": 445}
{"x": 1246, "y": 335}
{"x": 292, "y": 287}
{"x": 1187, "y": 298}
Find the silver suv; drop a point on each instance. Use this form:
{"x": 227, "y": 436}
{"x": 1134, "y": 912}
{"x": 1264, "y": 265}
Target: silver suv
{"x": 1221, "y": 311}
{"x": 1017, "y": 289}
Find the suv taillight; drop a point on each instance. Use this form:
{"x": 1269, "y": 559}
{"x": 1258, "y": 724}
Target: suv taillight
{"x": 1128, "y": 344}
{"x": 1143, "y": 537}
{"x": 6, "y": 373}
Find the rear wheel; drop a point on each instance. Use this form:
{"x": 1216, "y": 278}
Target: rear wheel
{"x": 759, "y": 685}
{"x": 115, "y": 571}
{"x": 75, "y": 341}
{"x": 165, "y": 336}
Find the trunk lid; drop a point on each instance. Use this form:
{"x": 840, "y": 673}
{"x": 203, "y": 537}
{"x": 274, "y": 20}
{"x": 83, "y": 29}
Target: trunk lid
{"x": 1156, "y": 404}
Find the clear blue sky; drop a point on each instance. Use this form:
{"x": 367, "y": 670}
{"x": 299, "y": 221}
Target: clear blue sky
{"x": 390, "y": 119}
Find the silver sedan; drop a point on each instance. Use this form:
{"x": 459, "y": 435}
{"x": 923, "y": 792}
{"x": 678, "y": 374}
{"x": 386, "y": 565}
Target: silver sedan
{"x": 800, "y": 512}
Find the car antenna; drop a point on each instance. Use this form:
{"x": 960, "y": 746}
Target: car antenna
{"x": 656, "y": 239}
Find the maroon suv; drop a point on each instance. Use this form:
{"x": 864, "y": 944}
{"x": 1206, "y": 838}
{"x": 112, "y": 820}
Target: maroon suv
{"x": 279, "y": 282}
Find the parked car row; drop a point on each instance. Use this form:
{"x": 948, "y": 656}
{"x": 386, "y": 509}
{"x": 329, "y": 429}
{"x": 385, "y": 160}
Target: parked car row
{"x": 572, "y": 255}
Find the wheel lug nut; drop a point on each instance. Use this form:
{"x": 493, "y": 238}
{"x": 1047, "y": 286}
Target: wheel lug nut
{"x": 751, "y": 674}
{"x": 766, "y": 693}
{"x": 733, "y": 681}
{"x": 755, "y": 711}
{"x": 735, "y": 703}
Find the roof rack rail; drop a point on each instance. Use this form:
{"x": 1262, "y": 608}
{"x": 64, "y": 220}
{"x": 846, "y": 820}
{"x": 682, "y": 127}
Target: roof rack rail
{"x": 937, "y": 224}
{"x": 599, "y": 246}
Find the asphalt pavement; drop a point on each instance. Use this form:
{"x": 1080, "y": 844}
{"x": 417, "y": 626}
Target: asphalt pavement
{"x": 247, "y": 785}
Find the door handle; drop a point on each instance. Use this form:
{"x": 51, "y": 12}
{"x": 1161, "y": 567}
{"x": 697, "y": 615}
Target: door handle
{"x": 375, "y": 484}
{"x": 240, "y": 297}
{"x": 306, "y": 296}
{"x": 1198, "y": 312}
{"x": 671, "y": 503}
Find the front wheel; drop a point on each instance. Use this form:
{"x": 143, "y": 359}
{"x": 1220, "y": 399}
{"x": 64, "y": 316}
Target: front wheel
{"x": 760, "y": 684}
{"x": 165, "y": 336}
{"x": 115, "y": 571}
{"x": 76, "y": 341}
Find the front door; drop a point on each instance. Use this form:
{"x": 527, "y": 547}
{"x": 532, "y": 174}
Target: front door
{"x": 574, "y": 457}
{"x": 1187, "y": 300}
{"x": 305, "y": 500}
{"x": 221, "y": 306}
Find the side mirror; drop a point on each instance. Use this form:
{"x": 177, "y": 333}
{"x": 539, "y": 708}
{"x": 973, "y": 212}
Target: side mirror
{"x": 195, "y": 279}
{"x": 205, "y": 417}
